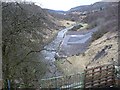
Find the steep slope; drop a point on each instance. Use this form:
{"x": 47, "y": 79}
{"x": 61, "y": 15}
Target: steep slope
{"x": 95, "y": 6}
{"x": 100, "y": 52}
{"x": 26, "y": 30}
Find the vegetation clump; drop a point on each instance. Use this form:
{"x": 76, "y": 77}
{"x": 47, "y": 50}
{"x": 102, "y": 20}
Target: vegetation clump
{"x": 98, "y": 34}
{"x": 75, "y": 28}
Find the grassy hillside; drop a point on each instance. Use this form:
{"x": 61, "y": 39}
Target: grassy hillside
{"x": 104, "y": 45}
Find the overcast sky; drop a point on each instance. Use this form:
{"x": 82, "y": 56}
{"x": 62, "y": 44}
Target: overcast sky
{"x": 62, "y": 4}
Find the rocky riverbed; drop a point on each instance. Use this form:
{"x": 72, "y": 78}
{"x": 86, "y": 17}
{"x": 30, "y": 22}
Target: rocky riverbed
{"x": 64, "y": 45}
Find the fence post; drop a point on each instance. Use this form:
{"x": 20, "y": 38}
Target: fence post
{"x": 8, "y": 84}
{"x": 83, "y": 79}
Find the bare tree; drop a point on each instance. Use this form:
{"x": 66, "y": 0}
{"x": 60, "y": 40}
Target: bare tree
{"x": 22, "y": 45}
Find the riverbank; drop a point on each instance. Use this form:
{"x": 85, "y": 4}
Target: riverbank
{"x": 48, "y": 55}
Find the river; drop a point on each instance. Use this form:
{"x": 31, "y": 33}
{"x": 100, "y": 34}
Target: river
{"x": 63, "y": 41}
{"x": 51, "y": 50}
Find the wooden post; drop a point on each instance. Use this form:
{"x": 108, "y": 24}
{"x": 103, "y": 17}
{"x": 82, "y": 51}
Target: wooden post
{"x": 100, "y": 75}
{"x": 92, "y": 77}
{"x": 106, "y": 75}
{"x": 113, "y": 75}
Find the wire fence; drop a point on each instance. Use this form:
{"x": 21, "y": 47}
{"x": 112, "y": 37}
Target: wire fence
{"x": 64, "y": 82}
{"x": 99, "y": 76}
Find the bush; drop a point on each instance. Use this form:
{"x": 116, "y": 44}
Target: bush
{"x": 92, "y": 25}
{"x": 98, "y": 34}
{"x": 75, "y": 28}
{"x": 68, "y": 23}
{"x": 104, "y": 28}
{"x": 83, "y": 54}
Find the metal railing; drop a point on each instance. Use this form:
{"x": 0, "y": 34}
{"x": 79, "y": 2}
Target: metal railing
{"x": 99, "y": 76}
{"x": 64, "y": 82}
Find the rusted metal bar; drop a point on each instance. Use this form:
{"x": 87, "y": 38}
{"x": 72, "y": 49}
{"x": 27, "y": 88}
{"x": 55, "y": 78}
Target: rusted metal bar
{"x": 97, "y": 67}
{"x": 100, "y": 76}
{"x": 108, "y": 69}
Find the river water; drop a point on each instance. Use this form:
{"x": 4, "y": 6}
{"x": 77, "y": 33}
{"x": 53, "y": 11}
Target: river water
{"x": 49, "y": 54}
{"x": 63, "y": 41}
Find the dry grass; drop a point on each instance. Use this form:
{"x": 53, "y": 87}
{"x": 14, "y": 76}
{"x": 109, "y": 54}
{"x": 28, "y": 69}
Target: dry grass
{"x": 66, "y": 23}
{"x": 78, "y": 63}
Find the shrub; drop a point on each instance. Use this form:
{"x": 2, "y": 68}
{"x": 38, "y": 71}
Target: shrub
{"x": 92, "y": 25}
{"x": 98, "y": 34}
{"x": 75, "y": 28}
{"x": 68, "y": 23}
{"x": 83, "y": 54}
{"x": 104, "y": 28}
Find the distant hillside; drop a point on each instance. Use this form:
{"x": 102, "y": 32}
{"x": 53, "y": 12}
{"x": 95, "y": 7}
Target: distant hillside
{"x": 57, "y": 14}
{"x": 63, "y": 17}
{"x": 75, "y": 13}
{"x": 109, "y": 13}
{"x": 95, "y": 6}
{"x": 55, "y": 11}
